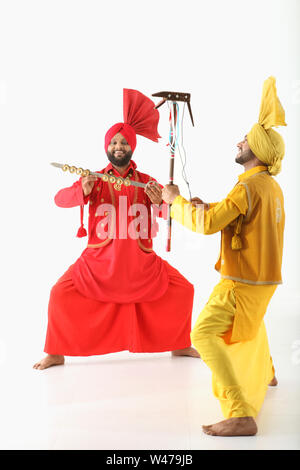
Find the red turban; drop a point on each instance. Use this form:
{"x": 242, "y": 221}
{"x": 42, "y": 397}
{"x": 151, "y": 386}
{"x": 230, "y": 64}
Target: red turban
{"x": 140, "y": 117}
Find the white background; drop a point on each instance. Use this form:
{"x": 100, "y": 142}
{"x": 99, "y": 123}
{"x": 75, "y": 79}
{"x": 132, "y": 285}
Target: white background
{"x": 63, "y": 67}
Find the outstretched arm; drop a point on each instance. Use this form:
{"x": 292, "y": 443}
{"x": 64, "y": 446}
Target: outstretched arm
{"x": 76, "y": 195}
{"x": 210, "y": 221}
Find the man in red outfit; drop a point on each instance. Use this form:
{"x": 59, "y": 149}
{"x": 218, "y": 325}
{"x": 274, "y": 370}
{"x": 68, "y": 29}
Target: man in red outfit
{"x": 119, "y": 295}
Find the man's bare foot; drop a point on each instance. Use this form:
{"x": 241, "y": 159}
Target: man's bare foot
{"x": 232, "y": 427}
{"x": 273, "y": 382}
{"x": 186, "y": 352}
{"x": 48, "y": 361}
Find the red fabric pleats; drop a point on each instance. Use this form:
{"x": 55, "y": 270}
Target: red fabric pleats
{"x": 78, "y": 326}
{"x": 140, "y": 117}
{"x": 140, "y": 113}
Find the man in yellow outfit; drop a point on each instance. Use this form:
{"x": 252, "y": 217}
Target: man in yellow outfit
{"x": 230, "y": 333}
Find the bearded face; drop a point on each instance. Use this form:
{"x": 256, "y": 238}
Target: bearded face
{"x": 245, "y": 154}
{"x": 119, "y": 151}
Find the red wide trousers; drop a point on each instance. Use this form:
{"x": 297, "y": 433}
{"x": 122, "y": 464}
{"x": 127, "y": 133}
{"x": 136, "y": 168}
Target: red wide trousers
{"x": 79, "y": 326}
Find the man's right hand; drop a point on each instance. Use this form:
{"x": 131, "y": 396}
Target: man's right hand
{"x": 197, "y": 200}
{"x": 87, "y": 184}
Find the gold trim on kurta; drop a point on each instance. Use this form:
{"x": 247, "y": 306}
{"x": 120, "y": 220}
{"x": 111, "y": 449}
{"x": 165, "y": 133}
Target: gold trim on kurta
{"x": 136, "y": 178}
{"x": 254, "y": 283}
{"x": 109, "y": 237}
{"x": 134, "y": 201}
{"x": 99, "y": 245}
{"x": 249, "y": 200}
{"x": 143, "y": 247}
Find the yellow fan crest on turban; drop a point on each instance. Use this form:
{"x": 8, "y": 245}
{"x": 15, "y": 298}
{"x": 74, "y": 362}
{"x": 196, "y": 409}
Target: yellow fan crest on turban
{"x": 266, "y": 144}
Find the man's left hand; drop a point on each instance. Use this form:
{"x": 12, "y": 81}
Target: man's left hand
{"x": 170, "y": 192}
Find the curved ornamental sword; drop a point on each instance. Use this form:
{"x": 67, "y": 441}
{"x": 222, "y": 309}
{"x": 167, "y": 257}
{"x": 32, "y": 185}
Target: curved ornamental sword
{"x": 173, "y": 97}
{"x": 116, "y": 180}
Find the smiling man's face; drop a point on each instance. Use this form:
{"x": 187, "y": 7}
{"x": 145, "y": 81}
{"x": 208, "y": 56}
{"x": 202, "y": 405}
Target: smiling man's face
{"x": 119, "y": 151}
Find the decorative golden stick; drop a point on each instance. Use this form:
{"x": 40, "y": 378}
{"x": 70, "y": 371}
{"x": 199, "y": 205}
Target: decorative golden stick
{"x": 117, "y": 181}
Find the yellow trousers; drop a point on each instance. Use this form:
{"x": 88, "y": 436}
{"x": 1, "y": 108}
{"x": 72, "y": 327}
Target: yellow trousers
{"x": 241, "y": 370}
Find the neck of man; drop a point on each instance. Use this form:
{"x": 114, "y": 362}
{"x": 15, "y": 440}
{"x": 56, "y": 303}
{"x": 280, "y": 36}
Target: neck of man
{"x": 121, "y": 169}
{"x": 253, "y": 163}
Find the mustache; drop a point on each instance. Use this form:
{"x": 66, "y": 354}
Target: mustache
{"x": 120, "y": 161}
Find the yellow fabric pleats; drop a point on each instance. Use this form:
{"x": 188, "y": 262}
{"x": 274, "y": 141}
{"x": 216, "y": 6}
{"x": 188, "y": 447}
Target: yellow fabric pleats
{"x": 266, "y": 144}
{"x": 271, "y": 112}
{"x": 241, "y": 370}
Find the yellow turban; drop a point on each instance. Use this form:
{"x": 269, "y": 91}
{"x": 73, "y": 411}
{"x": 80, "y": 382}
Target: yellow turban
{"x": 266, "y": 144}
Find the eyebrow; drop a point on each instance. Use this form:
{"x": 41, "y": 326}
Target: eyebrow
{"x": 123, "y": 140}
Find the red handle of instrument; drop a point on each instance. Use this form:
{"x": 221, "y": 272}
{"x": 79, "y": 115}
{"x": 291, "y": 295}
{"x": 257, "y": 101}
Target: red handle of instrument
{"x": 169, "y": 229}
{"x": 169, "y": 220}
{"x": 171, "y": 181}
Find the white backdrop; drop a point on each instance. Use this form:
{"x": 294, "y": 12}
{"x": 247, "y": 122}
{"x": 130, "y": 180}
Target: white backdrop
{"x": 63, "y": 66}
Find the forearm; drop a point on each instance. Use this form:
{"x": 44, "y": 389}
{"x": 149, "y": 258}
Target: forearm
{"x": 199, "y": 220}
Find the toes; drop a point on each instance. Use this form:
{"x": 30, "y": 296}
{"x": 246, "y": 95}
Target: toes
{"x": 206, "y": 429}
{"x": 38, "y": 366}
{"x": 273, "y": 382}
{"x": 209, "y": 432}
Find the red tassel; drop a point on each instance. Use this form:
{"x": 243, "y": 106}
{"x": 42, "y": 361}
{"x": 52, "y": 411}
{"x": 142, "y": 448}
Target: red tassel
{"x": 81, "y": 232}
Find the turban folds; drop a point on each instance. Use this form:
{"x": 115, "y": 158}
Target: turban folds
{"x": 266, "y": 144}
{"x": 140, "y": 117}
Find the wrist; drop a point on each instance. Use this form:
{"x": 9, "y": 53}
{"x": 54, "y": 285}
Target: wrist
{"x": 85, "y": 193}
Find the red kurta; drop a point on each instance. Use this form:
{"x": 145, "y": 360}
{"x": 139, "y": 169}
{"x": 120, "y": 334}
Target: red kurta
{"x": 119, "y": 294}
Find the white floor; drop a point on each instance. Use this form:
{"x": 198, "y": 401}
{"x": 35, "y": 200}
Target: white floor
{"x": 141, "y": 401}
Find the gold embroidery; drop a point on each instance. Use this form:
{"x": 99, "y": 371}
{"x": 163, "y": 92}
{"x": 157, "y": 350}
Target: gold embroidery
{"x": 278, "y": 210}
{"x": 254, "y": 283}
{"x": 99, "y": 245}
{"x": 143, "y": 247}
{"x": 136, "y": 177}
{"x": 110, "y": 236}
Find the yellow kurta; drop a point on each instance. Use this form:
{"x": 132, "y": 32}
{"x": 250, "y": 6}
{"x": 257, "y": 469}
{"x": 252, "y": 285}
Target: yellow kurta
{"x": 230, "y": 333}
{"x": 258, "y": 198}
